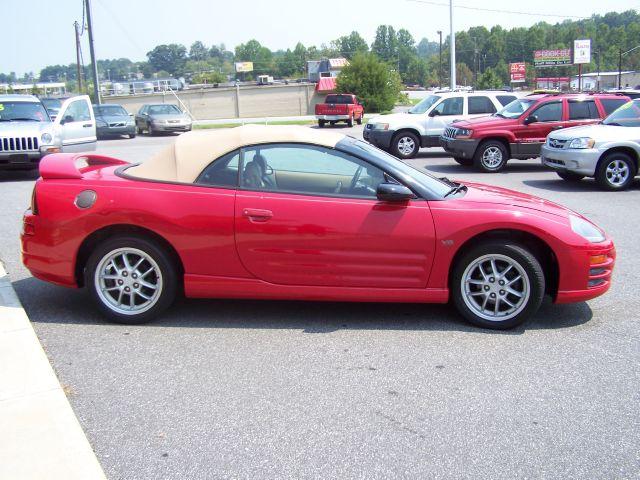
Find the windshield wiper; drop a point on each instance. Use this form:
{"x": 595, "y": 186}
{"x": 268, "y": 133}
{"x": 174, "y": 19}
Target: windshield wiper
{"x": 458, "y": 188}
{"x": 497, "y": 114}
{"x": 614, "y": 124}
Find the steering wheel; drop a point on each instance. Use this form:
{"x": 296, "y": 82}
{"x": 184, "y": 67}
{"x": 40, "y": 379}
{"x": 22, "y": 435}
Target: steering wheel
{"x": 356, "y": 177}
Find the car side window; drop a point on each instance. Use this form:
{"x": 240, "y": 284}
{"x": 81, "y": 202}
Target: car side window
{"x": 222, "y": 172}
{"x": 505, "y": 99}
{"x": 450, "y": 106}
{"x": 481, "y": 105}
{"x": 583, "y": 110}
{"x": 308, "y": 169}
{"x": 549, "y": 112}
{"x": 143, "y": 110}
{"x": 610, "y": 105}
{"x": 77, "y": 111}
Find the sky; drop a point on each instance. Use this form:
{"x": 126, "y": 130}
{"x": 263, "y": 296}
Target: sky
{"x": 38, "y": 33}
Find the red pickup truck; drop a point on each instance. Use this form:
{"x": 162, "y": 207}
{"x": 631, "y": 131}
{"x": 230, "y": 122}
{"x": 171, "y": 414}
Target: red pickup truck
{"x": 342, "y": 107}
{"x": 520, "y": 129}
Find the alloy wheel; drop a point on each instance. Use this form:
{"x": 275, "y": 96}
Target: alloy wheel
{"x": 617, "y": 173}
{"x": 492, "y": 157}
{"x": 406, "y": 146}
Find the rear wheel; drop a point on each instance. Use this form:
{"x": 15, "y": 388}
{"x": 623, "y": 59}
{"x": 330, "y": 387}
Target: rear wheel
{"x": 350, "y": 121}
{"x": 497, "y": 285}
{"x": 359, "y": 120}
{"x": 616, "y": 171}
{"x": 405, "y": 145}
{"x": 467, "y": 162}
{"x": 491, "y": 156}
{"x": 321, "y": 123}
{"x": 570, "y": 176}
{"x": 131, "y": 279}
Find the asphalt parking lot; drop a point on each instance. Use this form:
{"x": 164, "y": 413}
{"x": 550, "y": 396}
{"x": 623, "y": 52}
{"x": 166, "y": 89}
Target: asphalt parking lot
{"x": 247, "y": 389}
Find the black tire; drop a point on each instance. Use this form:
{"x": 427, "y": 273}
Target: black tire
{"x": 350, "y": 121}
{"x": 332, "y": 122}
{"x": 359, "y": 120}
{"x": 138, "y": 130}
{"x": 491, "y": 156}
{"x": 321, "y": 123}
{"x": 150, "y": 131}
{"x": 528, "y": 264}
{"x": 401, "y": 145}
{"x": 623, "y": 162}
{"x": 570, "y": 176}
{"x": 168, "y": 278}
{"x": 132, "y": 135}
{"x": 466, "y": 162}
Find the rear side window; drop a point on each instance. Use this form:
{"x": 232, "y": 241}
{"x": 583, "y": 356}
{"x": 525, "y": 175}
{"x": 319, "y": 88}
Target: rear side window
{"x": 481, "y": 105}
{"x": 450, "y": 106}
{"x": 505, "y": 99}
{"x": 549, "y": 112}
{"x": 583, "y": 110}
{"x": 223, "y": 172}
{"x": 611, "y": 104}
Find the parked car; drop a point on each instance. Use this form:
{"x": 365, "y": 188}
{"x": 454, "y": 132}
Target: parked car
{"x": 609, "y": 151}
{"x": 632, "y": 93}
{"x": 27, "y": 132}
{"x": 286, "y": 212}
{"x": 402, "y": 134}
{"x": 162, "y": 117}
{"x": 341, "y": 107}
{"x": 264, "y": 80}
{"x": 520, "y": 129}
{"x": 52, "y": 105}
{"x": 113, "y": 120}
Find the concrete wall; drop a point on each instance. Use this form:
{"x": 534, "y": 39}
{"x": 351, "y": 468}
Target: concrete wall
{"x": 234, "y": 102}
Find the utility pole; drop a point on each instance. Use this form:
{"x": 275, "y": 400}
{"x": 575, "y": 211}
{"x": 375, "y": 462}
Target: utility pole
{"x": 78, "y": 66}
{"x": 620, "y": 69}
{"x": 452, "y": 47}
{"x": 94, "y": 63}
{"x": 440, "y": 64}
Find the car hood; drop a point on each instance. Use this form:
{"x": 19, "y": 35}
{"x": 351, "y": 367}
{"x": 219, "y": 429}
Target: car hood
{"x": 599, "y": 132}
{"x": 488, "y": 194}
{"x": 24, "y": 128}
{"x": 486, "y": 121}
{"x": 394, "y": 117}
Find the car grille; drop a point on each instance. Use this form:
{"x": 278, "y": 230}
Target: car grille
{"x": 554, "y": 161}
{"x": 173, "y": 121}
{"x": 18, "y": 144}
{"x": 450, "y": 132}
{"x": 555, "y": 143}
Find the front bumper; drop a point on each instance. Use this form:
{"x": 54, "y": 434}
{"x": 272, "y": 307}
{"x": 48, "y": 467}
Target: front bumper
{"x": 379, "y": 138}
{"x": 29, "y": 158}
{"x": 333, "y": 118}
{"x": 580, "y": 161}
{"x": 171, "y": 127}
{"x": 125, "y": 130}
{"x": 464, "y": 148}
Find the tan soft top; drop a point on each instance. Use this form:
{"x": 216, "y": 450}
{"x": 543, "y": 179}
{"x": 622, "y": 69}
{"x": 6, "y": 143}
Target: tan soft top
{"x": 191, "y": 152}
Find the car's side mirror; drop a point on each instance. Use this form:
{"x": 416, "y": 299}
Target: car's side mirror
{"x": 131, "y": 114}
{"x": 531, "y": 119}
{"x": 434, "y": 113}
{"x": 392, "y": 192}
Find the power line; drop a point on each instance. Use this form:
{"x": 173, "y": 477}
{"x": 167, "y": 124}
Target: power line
{"x": 495, "y": 10}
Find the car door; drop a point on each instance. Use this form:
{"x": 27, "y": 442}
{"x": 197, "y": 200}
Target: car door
{"x": 530, "y": 135}
{"x": 141, "y": 118}
{"x": 443, "y": 113}
{"x": 77, "y": 125}
{"x": 308, "y": 215}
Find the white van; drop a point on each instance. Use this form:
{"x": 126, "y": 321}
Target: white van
{"x": 402, "y": 134}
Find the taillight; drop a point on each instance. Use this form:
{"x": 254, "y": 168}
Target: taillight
{"x": 34, "y": 201}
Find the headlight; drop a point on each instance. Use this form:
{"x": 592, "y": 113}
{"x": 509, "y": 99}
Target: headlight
{"x": 586, "y": 230}
{"x": 381, "y": 126}
{"x": 463, "y": 133}
{"x": 46, "y": 138}
{"x": 583, "y": 142}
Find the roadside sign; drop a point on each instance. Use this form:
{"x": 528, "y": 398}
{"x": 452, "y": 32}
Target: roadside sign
{"x": 582, "y": 51}
{"x": 551, "y": 58}
{"x": 244, "y": 66}
{"x": 518, "y": 72}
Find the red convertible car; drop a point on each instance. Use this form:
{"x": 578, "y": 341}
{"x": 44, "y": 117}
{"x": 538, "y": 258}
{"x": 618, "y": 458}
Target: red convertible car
{"x": 295, "y": 213}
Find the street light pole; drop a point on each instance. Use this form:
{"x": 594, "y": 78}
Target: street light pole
{"x": 78, "y": 66}
{"x": 440, "y": 64}
{"x": 94, "y": 62}
{"x": 621, "y": 53}
{"x": 452, "y": 47}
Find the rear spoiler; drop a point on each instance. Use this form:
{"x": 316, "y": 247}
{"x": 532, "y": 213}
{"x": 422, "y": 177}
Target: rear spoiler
{"x": 73, "y": 165}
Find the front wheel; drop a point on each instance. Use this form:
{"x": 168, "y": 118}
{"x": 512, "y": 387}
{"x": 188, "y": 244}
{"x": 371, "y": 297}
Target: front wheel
{"x": 497, "y": 285}
{"x": 132, "y": 279}
{"x": 570, "y": 176}
{"x": 616, "y": 171}
{"x": 132, "y": 135}
{"x": 491, "y": 157}
{"x": 405, "y": 145}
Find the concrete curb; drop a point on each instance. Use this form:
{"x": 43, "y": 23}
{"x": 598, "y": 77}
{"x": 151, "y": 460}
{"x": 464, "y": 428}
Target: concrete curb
{"x": 40, "y": 436}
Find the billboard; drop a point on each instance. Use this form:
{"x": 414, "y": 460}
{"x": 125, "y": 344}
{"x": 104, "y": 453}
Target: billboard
{"x": 551, "y": 58}
{"x": 244, "y": 66}
{"x": 582, "y": 51}
{"x": 518, "y": 71}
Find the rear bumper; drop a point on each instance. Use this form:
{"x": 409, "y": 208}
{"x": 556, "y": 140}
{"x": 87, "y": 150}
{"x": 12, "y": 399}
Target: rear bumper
{"x": 458, "y": 147}
{"x": 332, "y": 118}
{"x": 582, "y": 162}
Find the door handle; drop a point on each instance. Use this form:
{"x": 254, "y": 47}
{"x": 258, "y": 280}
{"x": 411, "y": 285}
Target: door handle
{"x": 257, "y": 214}
{"x": 87, "y": 125}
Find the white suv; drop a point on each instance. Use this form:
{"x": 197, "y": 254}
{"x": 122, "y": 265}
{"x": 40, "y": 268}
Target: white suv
{"x": 402, "y": 134}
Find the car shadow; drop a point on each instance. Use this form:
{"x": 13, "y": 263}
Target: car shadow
{"x": 511, "y": 168}
{"x": 50, "y": 304}
{"x": 19, "y": 175}
{"x": 584, "y": 185}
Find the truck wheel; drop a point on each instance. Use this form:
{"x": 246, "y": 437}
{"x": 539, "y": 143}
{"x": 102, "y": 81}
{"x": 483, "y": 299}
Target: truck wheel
{"x": 570, "y": 176}
{"x": 491, "y": 156}
{"x": 320, "y": 123}
{"x": 616, "y": 171}
{"x": 350, "y": 121}
{"x": 332, "y": 122}
{"x": 359, "y": 120}
{"x": 466, "y": 162}
{"x": 405, "y": 145}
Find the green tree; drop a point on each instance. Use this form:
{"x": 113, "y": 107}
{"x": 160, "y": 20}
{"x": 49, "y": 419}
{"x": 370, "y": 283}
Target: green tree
{"x": 208, "y": 77}
{"x": 171, "y": 58}
{"x": 385, "y": 44}
{"x": 489, "y": 79}
{"x": 198, "y": 51}
{"x": 350, "y": 45}
{"x": 253, "y": 51}
{"x": 377, "y": 85}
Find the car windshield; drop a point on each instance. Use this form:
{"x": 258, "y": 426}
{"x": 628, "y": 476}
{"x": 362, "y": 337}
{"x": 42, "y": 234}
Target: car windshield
{"x": 111, "y": 110}
{"x": 628, "y": 115}
{"x": 23, "y": 111}
{"x": 339, "y": 99}
{"x": 424, "y": 104}
{"x": 515, "y": 108}
{"x": 439, "y": 187}
{"x": 50, "y": 103}
{"x": 164, "y": 110}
